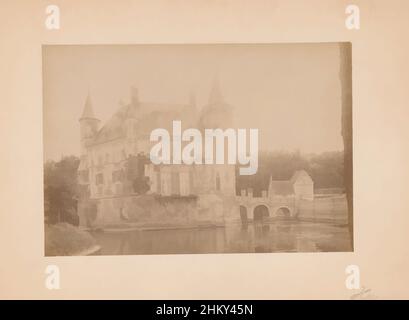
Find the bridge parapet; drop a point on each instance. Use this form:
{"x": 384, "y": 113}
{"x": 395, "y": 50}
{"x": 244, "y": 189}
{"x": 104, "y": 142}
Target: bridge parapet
{"x": 273, "y": 204}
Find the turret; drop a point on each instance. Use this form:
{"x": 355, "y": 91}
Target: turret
{"x": 217, "y": 113}
{"x": 132, "y": 115}
{"x": 88, "y": 124}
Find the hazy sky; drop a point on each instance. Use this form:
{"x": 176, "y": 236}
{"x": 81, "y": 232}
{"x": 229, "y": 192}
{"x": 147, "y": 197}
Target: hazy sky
{"x": 290, "y": 92}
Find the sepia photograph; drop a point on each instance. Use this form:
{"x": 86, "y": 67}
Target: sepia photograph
{"x": 196, "y": 149}
{"x": 203, "y": 158}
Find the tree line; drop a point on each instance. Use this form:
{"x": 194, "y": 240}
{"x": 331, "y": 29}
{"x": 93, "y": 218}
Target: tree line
{"x": 326, "y": 170}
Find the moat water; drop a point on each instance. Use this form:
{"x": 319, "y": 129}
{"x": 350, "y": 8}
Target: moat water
{"x": 277, "y": 236}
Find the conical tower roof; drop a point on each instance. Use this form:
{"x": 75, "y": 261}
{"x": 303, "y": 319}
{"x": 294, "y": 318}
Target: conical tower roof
{"x": 88, "y": 111}
{"x": 217, "y": 113}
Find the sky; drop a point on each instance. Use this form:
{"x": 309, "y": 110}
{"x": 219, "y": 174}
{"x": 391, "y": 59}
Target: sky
{"x": 290, "y": 92}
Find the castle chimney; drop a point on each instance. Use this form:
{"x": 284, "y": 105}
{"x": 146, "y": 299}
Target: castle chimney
{"x": 134, "y": 96}
{"x": 192, "y": 99}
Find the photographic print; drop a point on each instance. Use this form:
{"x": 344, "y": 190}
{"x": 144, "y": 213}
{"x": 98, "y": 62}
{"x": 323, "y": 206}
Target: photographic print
{"x": 197, "y": 148}
{"x": 217, "y": 151}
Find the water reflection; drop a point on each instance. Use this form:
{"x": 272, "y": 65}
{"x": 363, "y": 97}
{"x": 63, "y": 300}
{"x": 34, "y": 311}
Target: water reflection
{"x": 279, "y": 236}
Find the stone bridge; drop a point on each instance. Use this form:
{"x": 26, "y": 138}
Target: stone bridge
{"x": 259, "y": 208}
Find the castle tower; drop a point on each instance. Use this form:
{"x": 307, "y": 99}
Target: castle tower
{"x": 88, "y": 128}
{"x": 88, "y": 125}
{"x": 132, "y": 115}
{"x": 217, "y": 113}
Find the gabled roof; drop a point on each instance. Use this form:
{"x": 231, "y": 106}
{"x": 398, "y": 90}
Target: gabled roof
{"x": 114, "y": 128}
{"x": 299, "y": 174}
{"x": 149, "y": 116}
{"x": 286, "y": 187}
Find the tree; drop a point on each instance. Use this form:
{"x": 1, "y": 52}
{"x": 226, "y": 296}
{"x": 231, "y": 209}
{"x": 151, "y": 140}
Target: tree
{"x": 326, "y": 170}
{"x": 135, "y": 174}
{"x": 61, "y": 190}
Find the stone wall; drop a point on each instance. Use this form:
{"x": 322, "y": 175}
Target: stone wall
{"x": 153, "y": 210}
{"x": 327, "y": 209}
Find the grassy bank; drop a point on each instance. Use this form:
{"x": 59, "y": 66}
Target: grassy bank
{"x": 64, "y": 239}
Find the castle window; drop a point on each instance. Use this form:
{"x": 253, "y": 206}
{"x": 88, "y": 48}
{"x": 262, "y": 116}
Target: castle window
{"x": 226, "y": 176}
{"x": 217, "y": 182}
{"x": 118, "y": 188}
{"x": 175, "y": 183}
{"x": 84, "y": 175}
{"x": 117, "y": 175}
{"x": 184, "y": 184}
{"x": 99, "y": 179}
{"x": 166, "y": 186}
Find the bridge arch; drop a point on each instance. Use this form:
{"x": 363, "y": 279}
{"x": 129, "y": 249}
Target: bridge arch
{"x": 260, "y": 212}
{"x": 283, "y": 212}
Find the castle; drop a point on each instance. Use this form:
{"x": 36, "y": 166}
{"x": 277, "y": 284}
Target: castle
{"x": 118, "y": 184}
